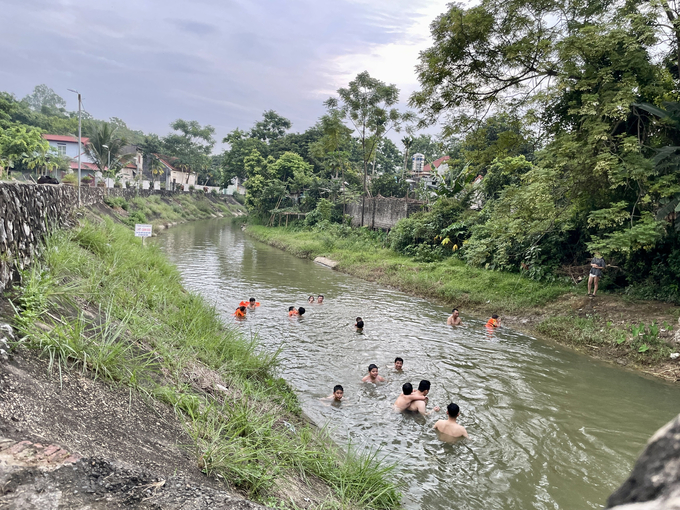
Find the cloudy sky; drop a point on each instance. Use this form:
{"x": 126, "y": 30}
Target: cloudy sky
{"x": 221, "y": 62}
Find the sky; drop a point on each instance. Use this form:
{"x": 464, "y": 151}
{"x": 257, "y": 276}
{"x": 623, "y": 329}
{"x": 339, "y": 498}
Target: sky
{"x": 220, "y": 62}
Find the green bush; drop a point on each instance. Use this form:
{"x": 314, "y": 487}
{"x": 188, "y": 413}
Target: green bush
{"x": 239, "y": 198}
{"x": 114, "y": 202}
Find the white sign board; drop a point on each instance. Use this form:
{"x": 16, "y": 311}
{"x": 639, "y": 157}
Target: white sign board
{"x": 142, "y": 230}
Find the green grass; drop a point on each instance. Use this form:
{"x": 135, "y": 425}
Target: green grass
{"x": 100, "y": 302}
{"x": 363, "y": 253}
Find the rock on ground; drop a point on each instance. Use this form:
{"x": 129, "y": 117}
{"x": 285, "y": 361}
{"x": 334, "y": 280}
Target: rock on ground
{"x": 654, "y": 483}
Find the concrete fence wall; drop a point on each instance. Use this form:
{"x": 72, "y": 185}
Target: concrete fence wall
{"x": 381, "y": 212}
{"x": 29, "y": 211}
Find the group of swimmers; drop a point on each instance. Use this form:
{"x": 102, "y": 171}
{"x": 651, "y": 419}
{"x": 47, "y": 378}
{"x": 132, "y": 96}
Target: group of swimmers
{"x": 414, "y": 401}
{"x": 410, "y": 400}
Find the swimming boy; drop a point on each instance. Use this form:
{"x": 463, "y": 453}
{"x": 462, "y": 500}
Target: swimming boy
{"x": 301, "y": 311}
{"x": 310, "y": 299}
{"x": 454, "y": 319}
{"x": 398, "y": 364}
{"x": 338, "y": 393}
{"x": 292, "y": 311}
{"x": 493, "y": 322}
{"x": 373, "y": 374}
{"x": 240, "y": 312}
{"x": 251, "y": 303}
{"x": 450, "y": 428}
{"x": 320, "y": 299}
{"x": 419, "y": 406}
{"x": 359, "y": 324}
{"x": 404, "y": 400}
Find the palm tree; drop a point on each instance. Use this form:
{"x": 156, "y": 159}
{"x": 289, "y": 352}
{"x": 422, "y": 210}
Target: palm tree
{"x": 104, "y": 146}
{"x": 156, "y": 166}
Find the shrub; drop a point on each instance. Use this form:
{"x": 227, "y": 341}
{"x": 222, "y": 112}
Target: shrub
{"x": 239, "y": 198}
{"x": 192, "y": 187}
{"x": 69, "y": 179}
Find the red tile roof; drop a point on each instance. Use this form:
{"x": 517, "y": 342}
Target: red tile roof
{"x": 84, "y": 165}
{"x": 63, "y": 138}
{"x": 436, "y": 163}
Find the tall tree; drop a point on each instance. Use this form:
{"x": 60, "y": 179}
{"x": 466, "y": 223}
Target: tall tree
{"x": 44, "y": 99}
{"x": 191, "y": 145}
{"x": 272, "y": 127}
{"x": 368, "y": 105}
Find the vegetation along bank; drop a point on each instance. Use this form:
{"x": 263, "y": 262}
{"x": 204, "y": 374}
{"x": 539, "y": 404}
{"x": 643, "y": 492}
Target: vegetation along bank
{"x": 131, "y": 367}
{"x": 618, "y": 328}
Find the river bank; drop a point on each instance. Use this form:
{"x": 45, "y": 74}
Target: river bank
{"x": 636, "y": 334}
{"x": 117, "y": 361}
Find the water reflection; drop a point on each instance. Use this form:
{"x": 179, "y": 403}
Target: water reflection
{"x": 548, "y": 428}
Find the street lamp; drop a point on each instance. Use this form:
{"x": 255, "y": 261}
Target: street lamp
{"x": 80, "y": 143}
{"x": 108, "y": 167}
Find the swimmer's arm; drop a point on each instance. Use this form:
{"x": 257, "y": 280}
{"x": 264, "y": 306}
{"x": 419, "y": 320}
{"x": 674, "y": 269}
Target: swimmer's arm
{"x": 366, "y": 378}
{"x": 381, "y": 378}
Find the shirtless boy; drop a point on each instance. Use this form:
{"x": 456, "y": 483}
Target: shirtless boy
{"x": 450, "y": 427}
{"x": 454, "y": 319}
{"x": 419, "y": 405}
{"x": 359, "y": 324}
{"x": 398, "y": 364}
{"x": 404, "y": 400}
{"x": 373, "y": 375}
{"x": 338, "y": 393}
{"x": 320, "y": 299}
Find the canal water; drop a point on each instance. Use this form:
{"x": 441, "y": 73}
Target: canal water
{"x": 548, "y": 428}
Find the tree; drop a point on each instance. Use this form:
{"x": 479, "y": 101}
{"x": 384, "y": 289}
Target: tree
{"x": 104, "y": 146}
{"x": 25, "y": 145}
{"x": 191, "y": 146}
{"x": 241, "y": 145}
{"x": 272, "y": 127}
{"x": 45, "y": 100}
{"x": 367, "y": 103}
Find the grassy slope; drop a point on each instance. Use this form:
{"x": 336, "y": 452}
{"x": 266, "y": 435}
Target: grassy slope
{"x": 551, "y": 310}
{"x": 101, "y": 302}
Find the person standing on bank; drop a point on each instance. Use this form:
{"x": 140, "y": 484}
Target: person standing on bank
{"x": 596, "y": 267}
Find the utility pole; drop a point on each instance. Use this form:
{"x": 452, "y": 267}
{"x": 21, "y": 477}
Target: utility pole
{"x": 80, "y": 140}
{"x": 108, "y": 167}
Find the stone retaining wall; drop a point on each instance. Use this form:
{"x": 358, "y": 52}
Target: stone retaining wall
{"x": 381, "y": 212}
{"x": 29, "y": 211}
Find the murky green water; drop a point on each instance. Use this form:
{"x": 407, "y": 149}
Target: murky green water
{"x": 548, "y": 428}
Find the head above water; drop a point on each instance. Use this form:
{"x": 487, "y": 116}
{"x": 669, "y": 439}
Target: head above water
{"x": 494, "y": 316}
{"x": 453, "y": 410}
{"x": 424, "y": 385}
{"x": 242, "y": 308}
{"x": 320, "y": 298}
{"x": 301, "y": 311}
{"x": 360, "y": 324}
{"x": 359, "y": 319}
{"x": 372, "y": 366}
{"x": 337, "y": 387}
{"x": 398, "y": 363}
{"x": 407, "y": 388}
{"x": 310, "y": 299}
{"x": 251, "y": 300}
{"x": 291, "y": 308}
{"x": 454, "y": 311}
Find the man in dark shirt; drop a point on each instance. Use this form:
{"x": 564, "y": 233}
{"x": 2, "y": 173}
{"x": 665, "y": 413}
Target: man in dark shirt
{"x": 596, "y": 267}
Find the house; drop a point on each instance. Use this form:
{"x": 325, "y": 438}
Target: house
{"x": 432, "y": 173}
{"x": 67, "y": 146}
{"x": 171, "y": 176}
